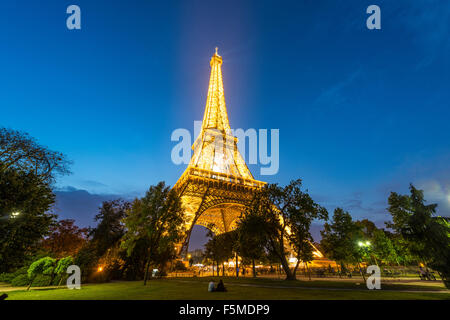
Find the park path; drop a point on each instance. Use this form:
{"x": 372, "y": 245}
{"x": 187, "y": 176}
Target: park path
{"x": 319, "y": 288}
{"x": 6, "y": 287}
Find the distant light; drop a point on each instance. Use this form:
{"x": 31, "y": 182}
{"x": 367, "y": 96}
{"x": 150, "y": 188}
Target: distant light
{"x": 367, "y": 243}
{"x": 293, "y": 260}
{"x": 15, "y": 214}
{"x": 360, "y": 243}
{"x": 100, "y": 269}
{"x": 317, "y": 254}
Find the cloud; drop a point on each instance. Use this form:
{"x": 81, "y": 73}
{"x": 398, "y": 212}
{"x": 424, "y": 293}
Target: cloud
{"x": 437, "y": 192}
{"x": 80, "y": 205}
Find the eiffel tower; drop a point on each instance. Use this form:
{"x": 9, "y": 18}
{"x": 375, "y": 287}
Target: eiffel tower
{"x": 217, "y": 183}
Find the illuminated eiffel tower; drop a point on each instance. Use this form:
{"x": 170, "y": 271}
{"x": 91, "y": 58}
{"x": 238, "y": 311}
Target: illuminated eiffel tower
{"x": 217, "y": 183}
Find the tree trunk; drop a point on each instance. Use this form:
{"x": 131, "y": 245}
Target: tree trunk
{"x": 147, "y": 266}
{"x": 309, "y": 271}
{"x": 31, "y": 281}
{"x": 223, "y": 269}
{"x": 287, "y": 270}
{"x": 362, "y": 273}
{"x": 254, "y": 268}
{"x": 294, "y": 272}
{"x": 237, "y": 266}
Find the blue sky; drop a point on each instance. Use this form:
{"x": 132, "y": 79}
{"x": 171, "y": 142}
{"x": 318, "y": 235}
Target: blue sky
{"x": 361, "y": 112}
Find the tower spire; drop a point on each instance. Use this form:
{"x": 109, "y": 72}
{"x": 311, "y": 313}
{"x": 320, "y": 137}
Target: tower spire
{"x": 215, "y": 116}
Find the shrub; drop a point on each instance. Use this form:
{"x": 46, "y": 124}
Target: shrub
{"x": 20, "y": 281}
{"x": 6, "y": 277}
{"x": 41, "y": 280}
{"x": 20, "y": 271}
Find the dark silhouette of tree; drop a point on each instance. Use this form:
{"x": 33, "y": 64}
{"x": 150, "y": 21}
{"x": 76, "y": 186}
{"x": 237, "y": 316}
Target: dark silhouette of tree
{"x": 24, "y": 218}
{"x": 428, "y": 235}
{"x": 285, "y": 215}
{"x": 251, "y": 241}
{"x": 65, "y": 239}
{"x": 340, "y": 237}
{"x": 219, "y": 248}
{"x": 19, "y": 151}
{"x": 157, "y": 219}
{"x": 110, "y": 226}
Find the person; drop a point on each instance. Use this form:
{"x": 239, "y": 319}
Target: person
{"x": 422, "y": 274}
{"x": 211, "y": 286}
{"x": 220, "y": 287}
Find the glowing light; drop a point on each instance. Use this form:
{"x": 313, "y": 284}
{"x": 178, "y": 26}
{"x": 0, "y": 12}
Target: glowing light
{"x": 100, "y": 269}
{"x": 317, "y": 254}
{"x": 15, "y": 214}
{"x": 292, "y": 260}
{"x": 364, "y": 244}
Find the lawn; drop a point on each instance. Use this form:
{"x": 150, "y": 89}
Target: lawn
{"x": 248, "y": 289}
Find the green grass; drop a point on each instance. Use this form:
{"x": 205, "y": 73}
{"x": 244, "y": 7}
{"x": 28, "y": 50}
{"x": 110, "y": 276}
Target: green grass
{"x": 191, "y": 288}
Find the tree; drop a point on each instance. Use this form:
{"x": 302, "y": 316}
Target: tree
{"x": 383, "y": 248}
{"x": 339, "y": 237}
{"x": 157, "y": 219}
{"x": 24, "y": 218}
{"x": 61, "y": 267}
{"x": 428, "y": 235}
{"x": 27, "y": 171}
{"x": 65, "y": 238}
{"x": 110, "y": 228}
{"x": 20, "y": 152}
{"x": 301, "y": 211}
{"x": 250, "y": 242}
{"x": 285, "y": 215}
{"x": 44, "y": 266}
{"x": 220, "y": 248}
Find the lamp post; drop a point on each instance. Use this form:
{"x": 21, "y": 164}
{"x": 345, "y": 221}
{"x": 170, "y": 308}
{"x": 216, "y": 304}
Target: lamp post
{"x": 364, "y": 247}
{"x": 15, "y": 214}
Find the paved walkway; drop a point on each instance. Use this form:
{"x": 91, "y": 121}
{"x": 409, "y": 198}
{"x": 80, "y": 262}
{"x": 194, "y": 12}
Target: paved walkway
{"x": 230, "y": 284}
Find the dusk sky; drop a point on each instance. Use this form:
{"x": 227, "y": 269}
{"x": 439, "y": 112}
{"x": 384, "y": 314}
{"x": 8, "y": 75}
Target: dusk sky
{"x": 361, "y": 112}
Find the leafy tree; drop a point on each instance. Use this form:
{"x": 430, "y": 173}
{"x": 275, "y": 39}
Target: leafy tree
{"x": 382, "y": 247}
{"x": 157, "y": 219}
{"x": 65, "y": 238}
{"x": 27, "y": 171}
{"x": 301, "y": 213}
{"x": 20, "y": 152}
{"x": 61, "y": 267}
{"x": 45, "y": 266}
{"x": 250, "y": 242}
{"x": 220, "y": 248}
{"x": 285, "y": 215}
{"x": 87, "y": 260}
{"x": 403, "y": 254}
{"x": 339, "y": 238}
{"x": 428, "y": 235}
{"x": 24, "y": 221}
{"x": 110, "y": 228}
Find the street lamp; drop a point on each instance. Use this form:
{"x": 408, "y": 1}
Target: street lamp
{"x": 364, "y": 245}
{"x": 15, "y": 214}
